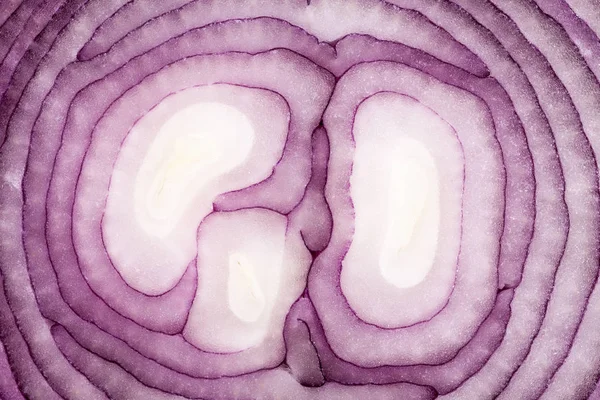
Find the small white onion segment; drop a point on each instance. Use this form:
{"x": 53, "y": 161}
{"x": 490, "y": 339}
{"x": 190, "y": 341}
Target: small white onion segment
{"x": 191, "y": 147}
{"x": 406, "y": 187}
{"x": 251, "y": 268}
{"x": 410, "y": 241}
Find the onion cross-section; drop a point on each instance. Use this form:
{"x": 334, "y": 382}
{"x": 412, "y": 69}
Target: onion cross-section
{"x": 251, "y": 269}
{"x": 191, "y": 156}
{"x": 406, "y": 182}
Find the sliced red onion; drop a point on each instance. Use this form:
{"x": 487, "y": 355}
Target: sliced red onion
{"x": 477, "y": 276}
{"x": 124, "y": 329}
{"x": 406, "y": 188}
{"x": 85, "y": 82}
{"x": 539, "y": 281}
{"x": 520, "y": 211}
{"x": 58, "y": 373}
{"x": 252, "y": 268}
{"x": 573, "y": 286}
{"x": 113, "y": 328}
{"x": 204, "y": 149}
{"x": 114, "y": 297}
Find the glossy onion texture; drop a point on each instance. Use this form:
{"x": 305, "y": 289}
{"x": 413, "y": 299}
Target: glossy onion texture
{"x": 323, "y": 199}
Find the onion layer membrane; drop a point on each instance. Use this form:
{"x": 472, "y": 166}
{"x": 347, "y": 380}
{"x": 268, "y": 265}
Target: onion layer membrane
{"x": 324, "y": 199}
